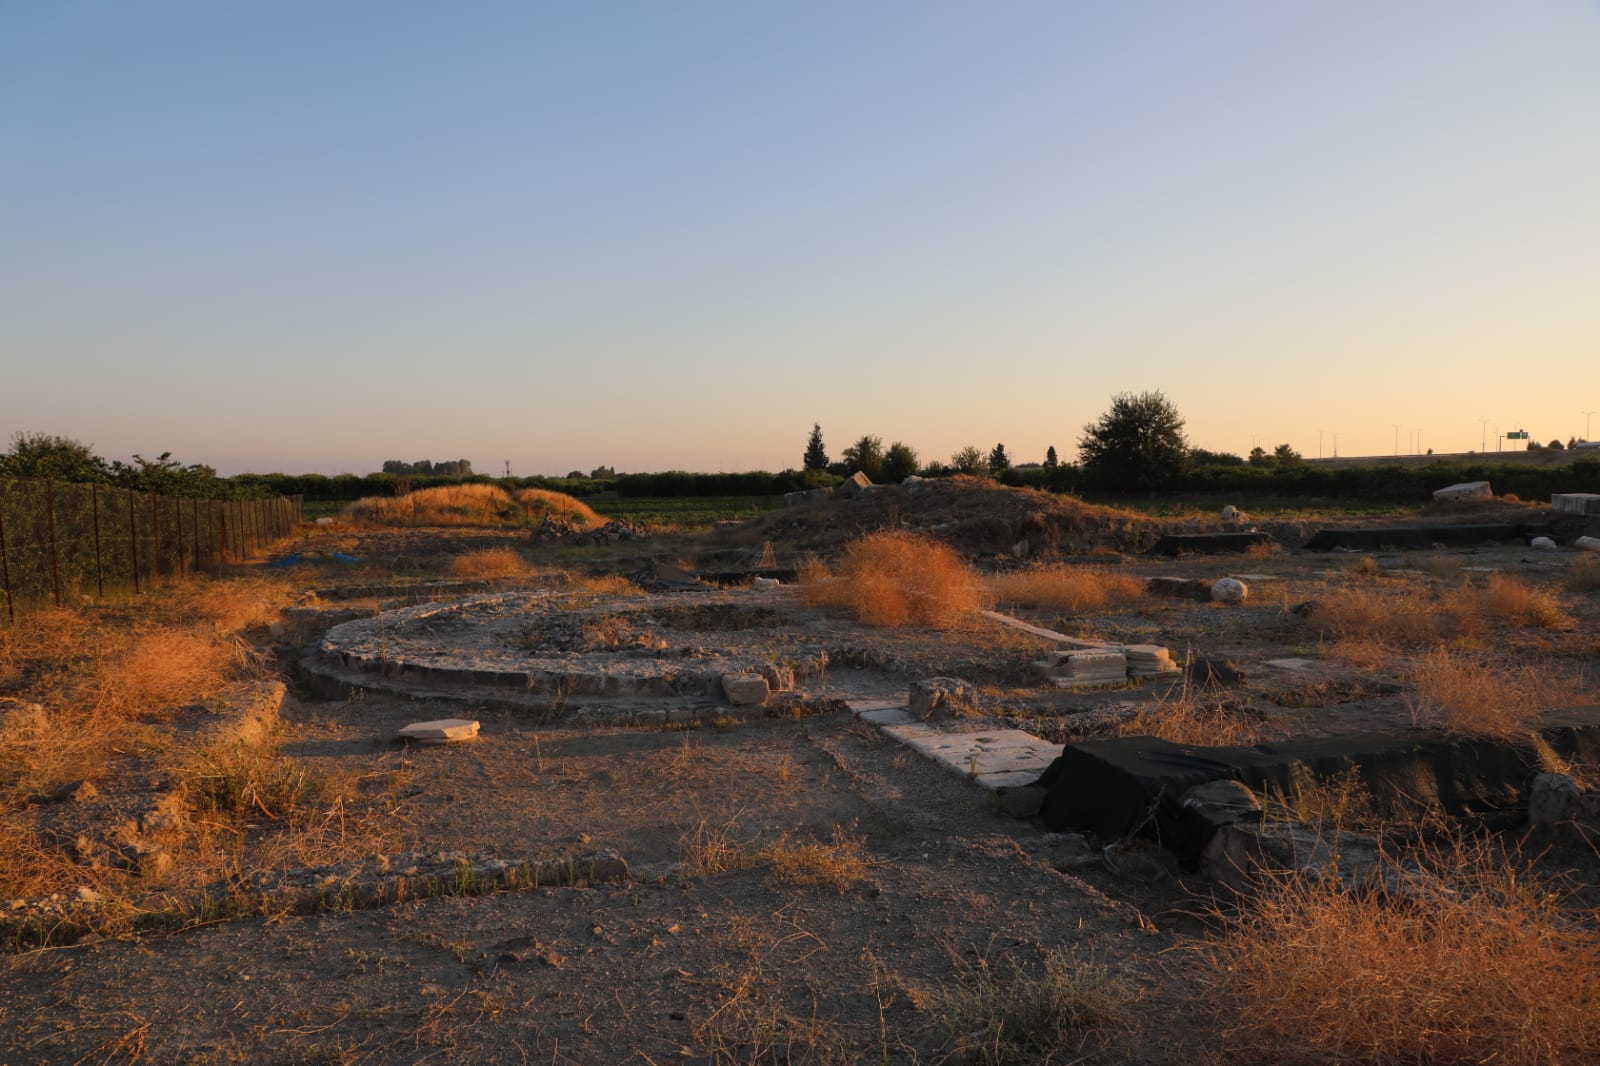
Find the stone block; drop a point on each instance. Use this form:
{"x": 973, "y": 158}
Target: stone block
{"x": 1465, "y": 490}
{"x": 942, "y": 696}
{"x": 1229, "y": 590}
{"x": 854, "y": 485}
{"x": 440, "y": 731}
{"x": 1588, "y": 544}
{"x": 1544, "y": 544}
{"x": 1579, "y": 503}
{"x": 745, "y": 689}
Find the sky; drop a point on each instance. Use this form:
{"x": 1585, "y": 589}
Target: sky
{"x": 308, "y": 237}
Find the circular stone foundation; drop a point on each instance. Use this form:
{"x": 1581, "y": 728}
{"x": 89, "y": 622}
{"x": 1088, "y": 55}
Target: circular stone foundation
{"x": 548, "y": 647}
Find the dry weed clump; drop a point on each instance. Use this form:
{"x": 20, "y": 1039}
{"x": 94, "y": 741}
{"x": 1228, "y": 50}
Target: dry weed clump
{"x": 1461, "y": 694}
{"x": 1508, "y": 600}
{"x": 1187, "y": 717}
{"x": 1025, "y": 1018}
{"x": 1583, "y": 574}
{"x": 1401, "y": 617}
{"x": 472, "y": 505}
{"x": 1069, "y": 588}
{"x": 899, "y": 579}
{"x": 1497, "y": 968}
{"x": 837, "y": 864}
{"x": 489, "y": 563}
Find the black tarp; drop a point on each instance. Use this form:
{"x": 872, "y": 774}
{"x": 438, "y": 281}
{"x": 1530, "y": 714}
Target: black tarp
{"x": 1124, "y": 786}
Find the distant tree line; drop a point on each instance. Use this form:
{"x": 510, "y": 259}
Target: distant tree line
{"x": 428, "y": 468}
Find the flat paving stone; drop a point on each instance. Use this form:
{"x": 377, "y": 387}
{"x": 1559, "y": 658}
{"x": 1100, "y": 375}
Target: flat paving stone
{"x": 994, "y": 752}
{"x": 888, "y": 716}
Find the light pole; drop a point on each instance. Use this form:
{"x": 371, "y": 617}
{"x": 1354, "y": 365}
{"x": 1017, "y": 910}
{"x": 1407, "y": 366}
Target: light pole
{"x": 1319, "y": 444}
{"x": 1483, "y": 434}
{"x": 1586, "y": 416}
{"x": 1396, "y": 426}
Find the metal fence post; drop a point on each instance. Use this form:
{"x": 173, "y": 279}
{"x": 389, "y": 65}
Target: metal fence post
{"x": 50, "y": 512}
{"x": 99, "y": 571}
{"x": 177, "y": 525}
{"x": 133, "y": 543}
{"x": 155, "y": 536}
{"x": 5, "y": 569}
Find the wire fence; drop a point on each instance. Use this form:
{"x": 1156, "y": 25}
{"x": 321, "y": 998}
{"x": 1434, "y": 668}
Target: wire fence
{"x": 65, "y": 544}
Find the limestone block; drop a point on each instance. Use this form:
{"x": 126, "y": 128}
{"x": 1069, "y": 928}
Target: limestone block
{"x": 440, "y": 731}
{"x": 1552, "y": 800}
{"x": 941, "y": 696}
{"x": 1544, "y": 544}
{"x": 1581, "y": 503}
{"x": 854, "y": 485}
{"x": 745, "y": 690}
{"x": 1465, "y": 490}
{"x": 779, "y": 678}
{"x": 1229, "y": 590}
{"x": 1588, "y": 544}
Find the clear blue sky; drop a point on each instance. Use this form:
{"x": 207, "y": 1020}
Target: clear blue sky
{"x": 310, "y": 236}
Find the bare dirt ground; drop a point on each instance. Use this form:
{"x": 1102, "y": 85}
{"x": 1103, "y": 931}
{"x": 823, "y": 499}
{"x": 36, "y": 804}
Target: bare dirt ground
{"x": 800, "y": 888}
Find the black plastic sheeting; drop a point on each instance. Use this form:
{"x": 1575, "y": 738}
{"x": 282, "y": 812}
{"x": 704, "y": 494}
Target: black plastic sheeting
{"x": 1208, "y": 543}
{"x": 1128, "y": 786}
{"x": 1422, "y": 537}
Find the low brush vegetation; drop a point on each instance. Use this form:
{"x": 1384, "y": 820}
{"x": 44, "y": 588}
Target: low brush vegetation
{"x": 1060, "y": 1013}
{"x": 898, "y": 579}
{"x": 474, "y": 505}
{"x": 490, "y": 563}
{"x": 86, "y": 694}
{"x": 1067, "y": 588}
{"x": 1460, "y": 693}
{"x": 1499, "y": 966}
{"x": 1414, "y": 617}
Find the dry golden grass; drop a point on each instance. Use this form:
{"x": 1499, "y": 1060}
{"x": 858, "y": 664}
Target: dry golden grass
{"x": 539, "y": 503}
{"x": 837, "y": 864}
{"x": 1403, "y": 617}
{"x": 490, "y": 562}
{"x": 1068, "y": 588}
{"x": 901, "y": 579}
{"x": 97, "y": 674}
{"x": 1508, "y": 600}
{"x": 1462, "y": 694}
{"x": 1496, "y": 968}
{"x": 1583, "y": 573}
{"x": 1187, "y": 718}
{"x": 472, "y": 505}
{"x": 1058, "y": 1014}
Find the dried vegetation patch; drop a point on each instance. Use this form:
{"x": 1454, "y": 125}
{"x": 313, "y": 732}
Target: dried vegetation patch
{"x": 473, "y": 505}
{"x": 1067, "y": 588}
{"x": 899, "y": 579}
{"x": 490, "y": 563}
{"x": 1496, "y": 966}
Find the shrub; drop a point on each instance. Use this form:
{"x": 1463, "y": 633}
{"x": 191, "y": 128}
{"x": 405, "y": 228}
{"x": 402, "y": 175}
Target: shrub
{"x": 1461, "y": 695}
{"x": 1030, "y": 1018}
{"x": 1068, "y": 588}
{"x": 897, "y": 579}
{"x": 489, "y": 562}
{"x": 1493, "y": 969}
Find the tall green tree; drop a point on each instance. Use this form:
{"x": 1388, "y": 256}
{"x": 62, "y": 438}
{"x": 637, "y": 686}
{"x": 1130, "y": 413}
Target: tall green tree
{"x": 1137, "y": 445}
{"x": 999, "y": 461}
{"x": 969, "y": 460}
{"x": 866, "y": 455}
{"x": 899, "y": 462}
{"x": 816, "y": 457}
{"x": 1050, "y": 459}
